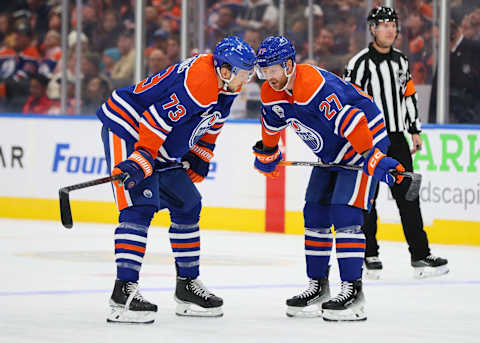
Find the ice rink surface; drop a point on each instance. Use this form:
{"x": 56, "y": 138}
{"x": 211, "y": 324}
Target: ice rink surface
{"x": 55, "y": 284}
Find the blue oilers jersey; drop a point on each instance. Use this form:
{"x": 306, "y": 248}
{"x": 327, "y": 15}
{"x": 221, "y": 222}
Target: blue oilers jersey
{"x": 334, "y": 119}
{"x": 167, "y": 113}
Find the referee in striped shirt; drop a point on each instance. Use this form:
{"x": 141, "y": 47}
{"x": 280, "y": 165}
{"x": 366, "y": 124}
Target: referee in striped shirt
{"x": 383, "y": 72}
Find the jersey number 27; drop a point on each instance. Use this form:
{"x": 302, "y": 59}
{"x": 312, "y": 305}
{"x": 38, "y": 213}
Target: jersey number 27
{"x": 326, "y": 106}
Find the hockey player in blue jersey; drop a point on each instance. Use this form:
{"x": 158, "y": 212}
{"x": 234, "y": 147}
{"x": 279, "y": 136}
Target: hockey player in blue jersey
{"x": 339, "y": 124}
{"x": 148, "y": 129}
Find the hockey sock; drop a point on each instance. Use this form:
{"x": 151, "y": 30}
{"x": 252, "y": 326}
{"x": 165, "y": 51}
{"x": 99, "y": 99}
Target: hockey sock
{"x": 318, "y": 238}
{"x": 185, "y": 242}
{"x": 184, "y": 235}
{"x": 350, "y": 247}
{"x": 349, "y": 241}
{"x": 318, "y": 247}
{"x": 131, "y": 241}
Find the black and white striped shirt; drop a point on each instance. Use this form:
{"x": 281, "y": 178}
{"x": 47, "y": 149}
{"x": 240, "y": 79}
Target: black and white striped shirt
{"x": 386, "y": 77}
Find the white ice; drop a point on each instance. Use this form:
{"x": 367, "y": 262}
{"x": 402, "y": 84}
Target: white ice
{"x": 55, "y": 284}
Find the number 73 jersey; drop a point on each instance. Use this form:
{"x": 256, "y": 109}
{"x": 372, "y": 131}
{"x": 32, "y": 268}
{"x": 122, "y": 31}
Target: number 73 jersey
{"x": 334, "y": 119}
{"x": 167, "y": 113}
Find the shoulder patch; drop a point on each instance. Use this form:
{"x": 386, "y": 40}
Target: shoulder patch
{"x": 201, "y": 81}
{"x": 309, "y": 81}
{"x": 269, "y": 96}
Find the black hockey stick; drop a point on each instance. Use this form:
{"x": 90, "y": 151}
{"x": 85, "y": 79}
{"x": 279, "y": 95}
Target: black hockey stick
{"x": 65, "y": 210}
{"x": 411, "y": 194}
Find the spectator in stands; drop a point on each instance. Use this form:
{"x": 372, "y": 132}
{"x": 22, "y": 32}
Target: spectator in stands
{"x": 416, "y": 29}
{"x": 28, "y": 55}
{"x": 122, "y": 72}
{"x": 55, "y": 19}
{"x": 52, "y": 55}
{"x": 98, "y": 90}
{"x": 72, "y": 41}
{"x": 169, "y": 11}
{"x": 173, "y": 49}
{"x": 157, "y": 61}
{"x": 323, "y": 52}
{"x": 253, "y": 37}
{"x": 106, "y": 37}
{"x": 464, "y": 75}
{"x": 39, "y": 10}
{"x": 109, "y": 58}
{"x": 6, "y": 29}
{"x": 259, "y": 14}
{"x": 224, "y": 26}
{"x": 160, "y": 41}
{"x": 38, "y": 102}
{"x": 151, "y": 23}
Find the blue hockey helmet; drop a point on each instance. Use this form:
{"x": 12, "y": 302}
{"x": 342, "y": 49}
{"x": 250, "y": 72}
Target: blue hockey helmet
{"x": 275, "y": 50}
{"x": 235, "y": 52}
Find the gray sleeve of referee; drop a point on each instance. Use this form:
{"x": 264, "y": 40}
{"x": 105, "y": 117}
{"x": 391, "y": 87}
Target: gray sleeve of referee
{"x": 412, "y": 119}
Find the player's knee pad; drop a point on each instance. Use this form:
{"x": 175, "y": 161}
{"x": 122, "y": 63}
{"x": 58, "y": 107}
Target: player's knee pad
{"x": 141, "y": 215}
{"x": 190, "y": 216}
{"x": 346, "y": 216}
{"x": 316, "y": 215}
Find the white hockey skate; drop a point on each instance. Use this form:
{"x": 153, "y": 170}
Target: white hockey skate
{"x": 372, "y": 268}
{"x": 127, "y": 305}
{"x": 308, "y": 304}
{"x": 348, "y": 305}
{"x": 430, "y": 266}
{"x": 195, "y": 300}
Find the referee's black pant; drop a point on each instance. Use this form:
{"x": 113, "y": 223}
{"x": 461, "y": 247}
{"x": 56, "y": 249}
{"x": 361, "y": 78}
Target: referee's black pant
{"x": 410, "y": 213}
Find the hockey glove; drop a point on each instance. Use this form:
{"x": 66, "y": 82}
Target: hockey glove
{"x": 266, "y": 159}
{"x": 199, "y": 157}
{"x": 138, "y": 166}
{"x": 378, "y": 165}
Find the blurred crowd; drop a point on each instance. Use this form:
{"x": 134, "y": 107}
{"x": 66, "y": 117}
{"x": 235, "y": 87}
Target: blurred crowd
{"x": 30, "y": 43}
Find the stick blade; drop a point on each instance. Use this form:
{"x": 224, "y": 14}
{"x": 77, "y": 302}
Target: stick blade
{"x": 414, "y": 188}
{"x": 65, "y": 210}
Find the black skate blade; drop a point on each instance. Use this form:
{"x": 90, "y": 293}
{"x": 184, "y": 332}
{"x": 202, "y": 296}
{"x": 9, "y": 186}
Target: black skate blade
{"x": 130, "y": 323}
{"x": 344, "y": 320}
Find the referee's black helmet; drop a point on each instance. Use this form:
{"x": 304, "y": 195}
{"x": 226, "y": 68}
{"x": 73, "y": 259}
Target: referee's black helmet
{"x": 381, "y": 14}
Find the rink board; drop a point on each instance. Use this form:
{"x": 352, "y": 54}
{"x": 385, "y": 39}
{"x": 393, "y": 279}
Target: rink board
{"x": 38, "y": 155}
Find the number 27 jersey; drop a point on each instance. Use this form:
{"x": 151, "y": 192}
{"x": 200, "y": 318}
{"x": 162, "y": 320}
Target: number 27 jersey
{"x": 333, "y": 118}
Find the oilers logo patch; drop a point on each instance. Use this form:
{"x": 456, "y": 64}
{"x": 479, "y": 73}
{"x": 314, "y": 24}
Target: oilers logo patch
{"x": 307, "y": 134}
{"x": 147, "y": 193}
{"x": 208, "y": 119}
{"x": 278, "y": 110}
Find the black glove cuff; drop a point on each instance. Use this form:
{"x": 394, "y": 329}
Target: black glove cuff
{"x": 268, "y": 150}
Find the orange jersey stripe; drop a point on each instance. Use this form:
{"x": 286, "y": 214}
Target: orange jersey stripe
{"x": 149, "y": 141}
{"x": 150, "y": 120}
{"x": 318, "y": 244}
{"x": 361, "y": 138}
{"x": 349, "y": 154}
{"x": 118, "y": 110}
{"x": 359, "y": 90}
{"x": 410, "y": 89}
{"x": 360, "y": 199}
{"x": 378, "y": 128}
{"x": 350, "y": 245}
{"x": 185, "y": 245}
{"x": 130, "y": 247}
{"x": 349, "y": 116}
{"x": 117, "y": 158}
